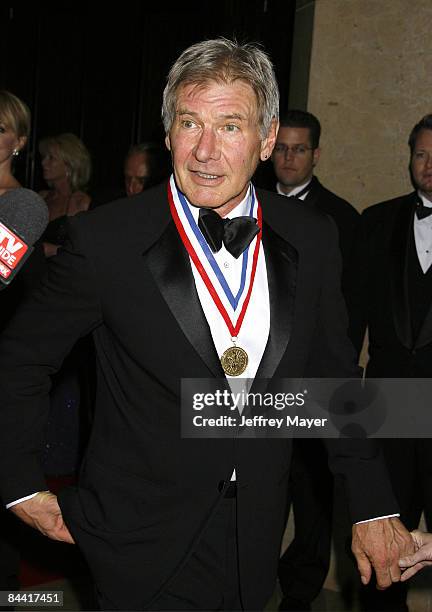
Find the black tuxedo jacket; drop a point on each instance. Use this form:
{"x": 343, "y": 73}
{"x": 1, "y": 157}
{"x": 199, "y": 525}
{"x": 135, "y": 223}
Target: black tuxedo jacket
{"x": 144, "y": 494}
{"x": 378, "y": 295}
{"x": 342, "y": 212}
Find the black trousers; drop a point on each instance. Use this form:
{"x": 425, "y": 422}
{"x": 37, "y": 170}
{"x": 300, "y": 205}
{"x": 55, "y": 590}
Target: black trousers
{"x": 304, "y": 566}
{"x": 209, "y": 580}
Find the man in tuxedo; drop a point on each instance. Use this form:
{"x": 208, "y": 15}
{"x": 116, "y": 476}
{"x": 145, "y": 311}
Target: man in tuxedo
{"x": 304, "y": 565}
{"x": 391, "y": 295}
{"x": 202, "y": 278}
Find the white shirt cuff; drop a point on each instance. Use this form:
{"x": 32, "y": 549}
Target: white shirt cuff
{"x": 377, "y": 518}
{"x": 18, "y": 501}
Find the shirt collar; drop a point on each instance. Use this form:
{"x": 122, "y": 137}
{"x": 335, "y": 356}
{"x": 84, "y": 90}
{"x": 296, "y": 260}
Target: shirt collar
{"x": 241, "y": 210}
{"x": 427, "y": 203}
{"x": 295, "y": 191}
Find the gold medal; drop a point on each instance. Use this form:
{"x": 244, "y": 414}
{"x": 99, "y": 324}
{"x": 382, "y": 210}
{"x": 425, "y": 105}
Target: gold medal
{"x": 234, "y": 361}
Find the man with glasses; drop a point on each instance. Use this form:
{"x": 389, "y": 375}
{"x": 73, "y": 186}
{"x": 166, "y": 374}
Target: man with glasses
{"x": 304, "y": 566}
{"x": 294, "y": 158}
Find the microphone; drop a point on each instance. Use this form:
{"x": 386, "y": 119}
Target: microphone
{"x": 23, "y": 218}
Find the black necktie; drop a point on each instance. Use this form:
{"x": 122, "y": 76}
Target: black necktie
{"x": 423, "y": 211}
{"x": 236, "y": 234}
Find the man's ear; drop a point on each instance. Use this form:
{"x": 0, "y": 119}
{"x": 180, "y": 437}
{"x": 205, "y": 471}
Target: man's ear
{"x": 316, "y": 156}
{"x": 168, "y": 142}
{"x": 269, "y": 142}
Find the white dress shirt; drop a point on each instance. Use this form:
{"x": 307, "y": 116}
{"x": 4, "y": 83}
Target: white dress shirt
{"x": 294, "y": 191}
{"x": 254, "y": 332}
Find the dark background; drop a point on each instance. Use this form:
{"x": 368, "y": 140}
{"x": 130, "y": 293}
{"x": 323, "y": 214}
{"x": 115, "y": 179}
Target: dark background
{"x": 99, "y": 72}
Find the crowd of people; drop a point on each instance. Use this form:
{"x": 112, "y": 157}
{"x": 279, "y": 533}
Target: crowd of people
{"x": 212, "y": 513}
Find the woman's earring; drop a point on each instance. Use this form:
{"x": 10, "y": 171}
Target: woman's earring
{"x": 15, "y": 152}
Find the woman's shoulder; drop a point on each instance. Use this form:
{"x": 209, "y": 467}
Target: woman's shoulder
{"x": 81, "y": 201}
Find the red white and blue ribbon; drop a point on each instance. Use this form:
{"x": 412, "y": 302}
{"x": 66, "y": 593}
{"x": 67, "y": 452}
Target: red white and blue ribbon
{"x": 233, "y": 300}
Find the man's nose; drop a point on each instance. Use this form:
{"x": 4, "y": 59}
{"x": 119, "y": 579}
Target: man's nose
{"x": 208, "y": 146}
{"x": 133, "y": 186}
{"x": 289, "y": 152}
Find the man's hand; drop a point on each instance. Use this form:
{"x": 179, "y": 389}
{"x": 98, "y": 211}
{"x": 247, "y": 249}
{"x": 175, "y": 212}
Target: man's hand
{"x": 43, "y": 513}
{"x": 422, "y": 558}
{"x": 380, "y": 544}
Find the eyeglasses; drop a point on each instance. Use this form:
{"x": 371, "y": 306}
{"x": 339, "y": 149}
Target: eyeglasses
{"x": 424, "y": 156}
{"x": 296, "y": 150}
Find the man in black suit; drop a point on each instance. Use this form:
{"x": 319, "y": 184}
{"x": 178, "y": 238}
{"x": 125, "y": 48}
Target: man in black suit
{"x": 296, "y": 153}
{"x": 171, "y": 291}
{"x": 304, "y": 565}
{"x": 391, "y": 295}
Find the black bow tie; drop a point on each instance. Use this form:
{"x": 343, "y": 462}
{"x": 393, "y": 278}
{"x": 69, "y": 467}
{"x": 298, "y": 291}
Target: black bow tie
{"x": 301, "y": 192}
{"x": 423, "y": 211}
{"x": 236, "y": 234}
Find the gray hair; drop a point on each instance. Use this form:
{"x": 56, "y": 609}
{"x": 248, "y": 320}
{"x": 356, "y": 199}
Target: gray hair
{"x": 224, "y": 61}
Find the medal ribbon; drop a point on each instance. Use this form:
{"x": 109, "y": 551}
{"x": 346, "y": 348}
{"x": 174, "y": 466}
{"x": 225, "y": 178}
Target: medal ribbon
{"x": 233, "y": 329}
{"x": 233, "y": 299}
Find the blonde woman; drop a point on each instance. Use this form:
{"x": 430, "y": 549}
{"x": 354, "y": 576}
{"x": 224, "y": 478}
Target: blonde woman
{"x": 66, "y": 169}
{"x": 14, "y": 131}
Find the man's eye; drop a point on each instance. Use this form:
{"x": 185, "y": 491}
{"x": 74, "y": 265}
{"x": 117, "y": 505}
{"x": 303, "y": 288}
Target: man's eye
{"x": 419, "y": 155}
{"x": 2, "y": 129}
{"x": 231, "y": 127}
{"x": 187, "y": 123}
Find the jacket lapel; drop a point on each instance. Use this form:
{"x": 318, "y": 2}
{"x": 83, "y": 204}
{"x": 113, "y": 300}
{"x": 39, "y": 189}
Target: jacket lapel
{"x": 425, "y": 335}
{"x": 313, "y": 193}
{"x": 170, "y": 267}
{"x": 402, "y": 232}
{"x": 281, "y": 263}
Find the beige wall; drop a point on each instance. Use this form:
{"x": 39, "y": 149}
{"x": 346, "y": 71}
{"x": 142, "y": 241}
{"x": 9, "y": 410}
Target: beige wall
{"x": 370, "y": 82}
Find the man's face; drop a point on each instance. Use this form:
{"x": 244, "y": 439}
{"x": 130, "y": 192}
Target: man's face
{"x": 136, "y": 173}
{"x": 421, "y": 163}
{"x": 215, "y": 143}
{"x": 293, "y": 157}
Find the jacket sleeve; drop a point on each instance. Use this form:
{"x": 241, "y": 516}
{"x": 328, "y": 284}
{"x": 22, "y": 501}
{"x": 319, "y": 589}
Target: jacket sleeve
{"x": 357, "y": 461}
{"x": 32, "y": 348}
